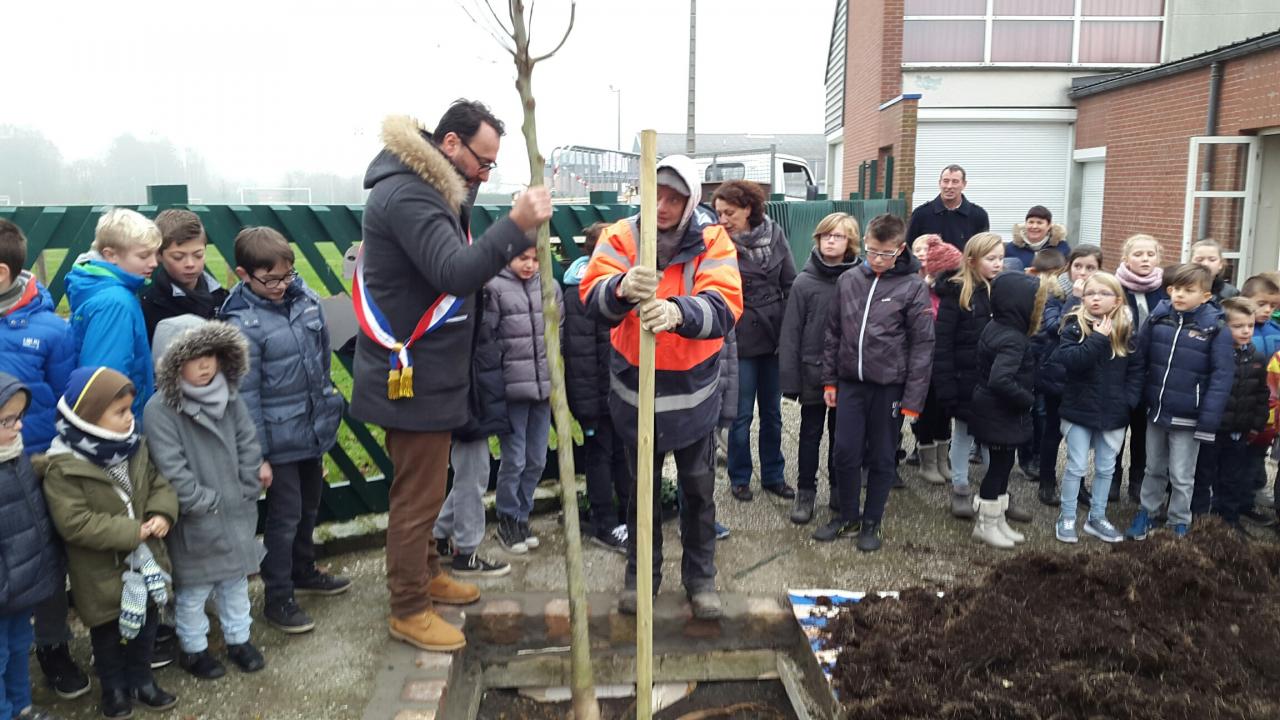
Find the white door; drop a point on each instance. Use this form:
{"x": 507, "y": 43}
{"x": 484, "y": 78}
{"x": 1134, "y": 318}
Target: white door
{"x": 1239, "y": 250}
{"x": 1010, "y": 166}
{"x": 1092, "y": 181}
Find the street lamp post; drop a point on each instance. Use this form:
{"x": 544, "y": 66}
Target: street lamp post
{"x": 618, "y": 93}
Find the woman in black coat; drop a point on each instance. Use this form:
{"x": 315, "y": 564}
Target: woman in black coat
{"x": 835, "y": 250}
{"x": 1000, "y": 412}
{"x": 767, "y": 270}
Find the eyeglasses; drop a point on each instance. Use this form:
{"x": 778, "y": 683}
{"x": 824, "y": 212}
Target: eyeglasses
{"x": 485, "y": 165}
{"x": 8, "y": 422}
{"x": 884, "y": 255}
{"x": 833, "y": 236}
{"x": 277, "y": 282}
{"x": 1098, "y": 294}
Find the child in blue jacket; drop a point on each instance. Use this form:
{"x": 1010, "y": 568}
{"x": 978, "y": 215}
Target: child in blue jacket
{"x": 36, "y": 347}
{"x": 106, "y": 315}
{"x": 28, "y": 562}
{"x": 1190, "y": 367}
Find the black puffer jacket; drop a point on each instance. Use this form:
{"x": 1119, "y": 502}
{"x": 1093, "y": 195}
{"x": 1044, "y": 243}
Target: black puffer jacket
{"x": 1000, "y": 411}
{"x": 764, "y": 294}
{"x": 1247, "y": 405}
{"x": 487, "y": 398}
{"x": 1098, "y": 391}
{"x": 585, "y": 343}
{"x": 955, "y": 367}
{"x": 804, "y": 328}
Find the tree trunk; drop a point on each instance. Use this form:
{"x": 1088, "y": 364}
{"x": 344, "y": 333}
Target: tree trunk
{"x": 582, "y": 686}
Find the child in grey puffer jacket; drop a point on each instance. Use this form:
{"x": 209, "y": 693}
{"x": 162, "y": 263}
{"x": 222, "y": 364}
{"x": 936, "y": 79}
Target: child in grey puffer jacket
{"x": 515, "y": 299}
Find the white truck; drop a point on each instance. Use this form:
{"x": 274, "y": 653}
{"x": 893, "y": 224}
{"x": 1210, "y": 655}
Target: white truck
{"x": 788, "y": 175}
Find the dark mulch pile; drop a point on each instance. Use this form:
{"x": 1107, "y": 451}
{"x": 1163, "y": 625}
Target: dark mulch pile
{"x": 1161, "y": 629}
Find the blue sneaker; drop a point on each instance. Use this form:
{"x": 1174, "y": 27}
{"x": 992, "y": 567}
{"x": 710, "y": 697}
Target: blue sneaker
{"x": 1102, "y": 529}
{"x": 1179, "y": 530}
{"x": 1141, "y": 526}
{"x": 1065, "y": 530}
{"x": 722, "y": 532}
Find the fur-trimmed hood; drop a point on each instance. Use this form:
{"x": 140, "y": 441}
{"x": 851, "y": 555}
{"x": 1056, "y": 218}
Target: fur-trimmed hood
{"x": 187, "y": 337}
{"x": 1057, "y": 235}
{"x": 410, "y": 149}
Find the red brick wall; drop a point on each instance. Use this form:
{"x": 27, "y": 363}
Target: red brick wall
{"x": 873, "y": 75}
{"x": 1146, "y": 130}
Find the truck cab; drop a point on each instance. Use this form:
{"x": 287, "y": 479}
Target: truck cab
{"x": 788, "y": 175}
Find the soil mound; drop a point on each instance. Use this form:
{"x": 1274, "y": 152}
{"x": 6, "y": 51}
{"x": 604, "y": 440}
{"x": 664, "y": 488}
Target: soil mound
{"x": 1161, "y": 629}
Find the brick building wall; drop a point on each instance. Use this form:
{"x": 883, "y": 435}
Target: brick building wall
{"x": 873, "y": 76}
{"x": 1146, "y": 129}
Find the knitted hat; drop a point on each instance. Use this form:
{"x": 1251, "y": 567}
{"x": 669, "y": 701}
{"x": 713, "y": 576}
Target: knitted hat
{"x": 1040, "y": 211}
{"x": 90, "y": 390}
{"x": 943, "y": 256}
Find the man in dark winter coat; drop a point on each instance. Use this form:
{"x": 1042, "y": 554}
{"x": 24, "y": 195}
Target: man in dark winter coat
{"x": 950, "y": 214}
{"x": 418, "y": 261}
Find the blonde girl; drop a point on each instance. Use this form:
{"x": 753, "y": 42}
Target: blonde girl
{"x": 835, "y": 250}
{"x": 1103, "y": 385}
{"x": 1142, "y": 278}
{"x": 964, "y": 308}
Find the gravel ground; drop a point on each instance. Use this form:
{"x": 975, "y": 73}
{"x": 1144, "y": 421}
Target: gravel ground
{"x": 328, "y": 673}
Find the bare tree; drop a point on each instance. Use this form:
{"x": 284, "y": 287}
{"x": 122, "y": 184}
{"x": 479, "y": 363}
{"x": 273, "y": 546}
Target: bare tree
{"x": 512, "y": 31}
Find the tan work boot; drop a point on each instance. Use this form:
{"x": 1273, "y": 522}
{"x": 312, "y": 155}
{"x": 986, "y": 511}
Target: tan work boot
{"x": 444, "y": 589}
{"x": 427, "y": 631}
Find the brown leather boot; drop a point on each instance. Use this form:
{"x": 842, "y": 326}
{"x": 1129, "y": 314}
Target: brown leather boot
{"x": 444, "y": 589}
{"x": 427, "y": 631}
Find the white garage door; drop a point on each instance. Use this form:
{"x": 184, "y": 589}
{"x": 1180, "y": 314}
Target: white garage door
{"x": 1010, "y": 166}
{"x": 1092, "y": 180}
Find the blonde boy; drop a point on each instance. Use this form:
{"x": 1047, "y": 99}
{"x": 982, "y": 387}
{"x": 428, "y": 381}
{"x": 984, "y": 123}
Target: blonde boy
{"x": 106, "y": 318}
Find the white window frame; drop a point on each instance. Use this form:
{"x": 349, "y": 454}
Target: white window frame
{"x": 1077, "y": 20}
{"x": 1249, "y": 194}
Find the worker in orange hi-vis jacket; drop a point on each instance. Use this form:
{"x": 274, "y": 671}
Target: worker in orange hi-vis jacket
{"x": 691, "y": 303}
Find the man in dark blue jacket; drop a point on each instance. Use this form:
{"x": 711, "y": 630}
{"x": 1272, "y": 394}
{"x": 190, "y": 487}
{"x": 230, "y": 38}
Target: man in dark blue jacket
{"x": 950, "y": 214}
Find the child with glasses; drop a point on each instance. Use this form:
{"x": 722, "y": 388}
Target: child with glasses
{"x": 1103, "y": 376}
{"x": 30, "y": 570}
{"x": 835, "y": 250}
{"x": 296, "y": 410}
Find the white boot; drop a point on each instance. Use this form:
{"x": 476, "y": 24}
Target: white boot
{"x": 986, "y": 529}
{"x": 931, "y": 464}
{"x": 1003, "y": 524}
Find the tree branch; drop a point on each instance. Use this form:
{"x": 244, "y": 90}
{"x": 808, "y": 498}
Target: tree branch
{"x": 573, "y": 11}
{"x": 488, "y": 4}
{"x": 529, "y": 23}
{"x": 501, "y": 41}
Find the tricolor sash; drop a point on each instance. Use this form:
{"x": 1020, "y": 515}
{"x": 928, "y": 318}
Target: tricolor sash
{"x": 376, "y": 328}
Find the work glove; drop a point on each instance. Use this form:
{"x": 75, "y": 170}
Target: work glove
{"x": 638, "y": 284}
{"x": 660, "y": 315}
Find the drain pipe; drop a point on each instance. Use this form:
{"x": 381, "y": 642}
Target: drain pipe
{"x": 1211, "y": 128}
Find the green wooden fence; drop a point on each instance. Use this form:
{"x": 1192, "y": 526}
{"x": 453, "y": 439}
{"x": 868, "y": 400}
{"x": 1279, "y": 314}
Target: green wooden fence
{"x": 359, "y": 469}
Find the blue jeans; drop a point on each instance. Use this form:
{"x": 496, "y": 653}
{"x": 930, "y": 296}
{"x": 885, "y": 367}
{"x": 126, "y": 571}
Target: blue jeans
{"x": 462, "y": 515}
{"x": 758, "y": 383}
{"x": 1171, "y": 461}
{"x": 961, "y": 446}
{"x": 232, "y": 597}
{"x": 1105, "y": 444}
{"x": 524, "y": 456}
{"x": 15, "y": 645}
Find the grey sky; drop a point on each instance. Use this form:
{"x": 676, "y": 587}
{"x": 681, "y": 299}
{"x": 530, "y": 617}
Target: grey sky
{"x": 261, "y": 88}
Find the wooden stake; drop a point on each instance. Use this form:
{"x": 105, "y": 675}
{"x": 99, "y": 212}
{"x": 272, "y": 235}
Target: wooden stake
{"x": 648, "y": 256}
